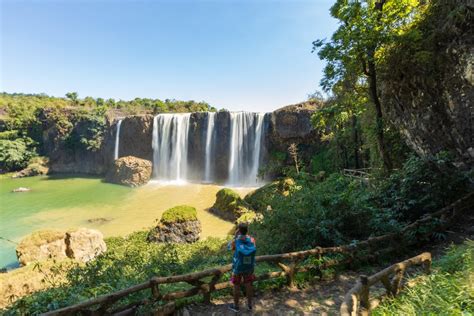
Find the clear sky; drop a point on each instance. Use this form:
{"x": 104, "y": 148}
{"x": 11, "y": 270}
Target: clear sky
{"x": 240, "y": 55}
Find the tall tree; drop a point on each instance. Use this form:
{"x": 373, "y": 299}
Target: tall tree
{"x": 367, "y": 27}
{"x": 73, "y": 96}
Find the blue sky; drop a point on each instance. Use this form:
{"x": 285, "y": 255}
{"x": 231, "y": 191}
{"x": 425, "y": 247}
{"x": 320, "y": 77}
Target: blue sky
{"x": 240, "y": 55}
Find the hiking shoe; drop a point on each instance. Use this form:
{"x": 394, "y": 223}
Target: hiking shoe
{"x": 234, "y": 308}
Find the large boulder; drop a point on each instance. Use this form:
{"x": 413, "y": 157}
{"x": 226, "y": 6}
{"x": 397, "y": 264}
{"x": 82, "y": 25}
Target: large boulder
{"x": 177, "y": 225}
{"x": 41, "y": 245}
{"x": 229, "y": 205}
{"x": 81, "y": 244}
{"x": 84, "y": 244}
{"x": 130, "y": 171}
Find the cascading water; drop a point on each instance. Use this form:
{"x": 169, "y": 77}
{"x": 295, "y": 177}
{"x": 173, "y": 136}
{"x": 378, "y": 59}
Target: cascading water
{"x": 245, "y": 147}
{"x": 170, "y": 146}
{"x": 212, "y": 148}
{"x": 117, "y": 140}
{"x": 209, "y": 146}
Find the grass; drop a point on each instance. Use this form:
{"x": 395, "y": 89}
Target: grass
{"x": 449, "y": 290}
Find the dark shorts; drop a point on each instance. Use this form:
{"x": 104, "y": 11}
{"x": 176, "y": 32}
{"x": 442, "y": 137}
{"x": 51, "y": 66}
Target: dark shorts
{"x": 242, "y": 278}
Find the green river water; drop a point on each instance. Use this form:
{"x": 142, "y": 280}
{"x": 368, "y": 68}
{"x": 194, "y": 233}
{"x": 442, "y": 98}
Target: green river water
{"x": 65, "y": 202}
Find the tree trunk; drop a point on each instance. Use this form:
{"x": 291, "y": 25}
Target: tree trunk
{"x": 387, "y": 162}
{"x": 355, "y": 135}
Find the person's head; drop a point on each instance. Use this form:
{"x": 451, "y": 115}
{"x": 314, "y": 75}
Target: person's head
{"x": 243, "y": 228}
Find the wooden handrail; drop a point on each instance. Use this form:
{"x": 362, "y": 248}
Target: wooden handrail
{"x": 357, "y": 299}
{"x": 447, "y": 214}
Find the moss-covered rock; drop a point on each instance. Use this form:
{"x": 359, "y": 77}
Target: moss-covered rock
{"x": 262, "y": 197}
{"x": 179, "y": 214}
{"x": 178, "y": 224}
{"x": 229, "y": 205}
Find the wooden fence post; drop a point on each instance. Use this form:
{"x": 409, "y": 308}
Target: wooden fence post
{"x": 364, "y": 296}
{"x": 397, "y": 281}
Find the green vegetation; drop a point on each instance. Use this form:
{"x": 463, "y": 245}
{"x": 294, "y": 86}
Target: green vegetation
{"x": 341, "y": 210}
{"x": 77, "y": 124}
{"x": 229, "y": 201}
{"x": 178, "y": 214}
{"x": 449, "y": 290}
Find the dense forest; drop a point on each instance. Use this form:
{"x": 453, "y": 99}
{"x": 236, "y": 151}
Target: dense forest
{"x": 384, "y": 56}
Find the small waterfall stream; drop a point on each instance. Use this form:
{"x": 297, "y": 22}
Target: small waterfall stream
{"x": 117, "y": 140}
{"x": 209, "y": 145}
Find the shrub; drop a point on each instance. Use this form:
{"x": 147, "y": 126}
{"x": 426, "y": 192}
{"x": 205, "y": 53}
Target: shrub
{"x": 178, "y": 214}
{"x": 422, "y": 186}
{"x": 15, "y": 154}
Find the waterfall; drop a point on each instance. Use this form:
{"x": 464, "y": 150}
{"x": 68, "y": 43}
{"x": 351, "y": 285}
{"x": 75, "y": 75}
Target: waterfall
{"x": 245, "y": 146}
{"x": 209, "y": 146}
{"x": 117, "y": 140}
{"x": 170, "y": 146}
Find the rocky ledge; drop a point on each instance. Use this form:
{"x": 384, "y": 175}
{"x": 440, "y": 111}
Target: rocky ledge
{"x": 177, "y": 225}
{"x": 130, "y": 171}
{"x": 81, "y": 244}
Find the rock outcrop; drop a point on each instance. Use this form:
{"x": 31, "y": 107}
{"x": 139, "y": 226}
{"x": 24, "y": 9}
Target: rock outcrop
{"x": 229, "y": 205}
{"x": 427, "y": 85}
{"x": 130, "y": 171}
{"x": 177, "y": 225}
{"x": 37, "y": 167}
{"x": 81, "y": 244}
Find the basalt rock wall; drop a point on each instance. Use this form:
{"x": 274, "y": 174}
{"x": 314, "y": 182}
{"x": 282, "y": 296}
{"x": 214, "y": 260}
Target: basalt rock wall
{"x": 291, "y": 124}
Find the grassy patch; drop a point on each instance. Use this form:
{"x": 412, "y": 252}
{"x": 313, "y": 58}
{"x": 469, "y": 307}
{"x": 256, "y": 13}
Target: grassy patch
{"x": 449, "y": 290}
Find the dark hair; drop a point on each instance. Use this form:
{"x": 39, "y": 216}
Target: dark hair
{"x": 243, "y": 228}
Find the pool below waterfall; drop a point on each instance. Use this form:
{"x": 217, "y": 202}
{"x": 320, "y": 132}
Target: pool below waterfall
{"x": 63, "y": 202}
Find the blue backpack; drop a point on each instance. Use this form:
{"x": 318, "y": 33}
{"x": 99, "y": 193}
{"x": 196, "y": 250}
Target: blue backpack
{"x": 244, "y": 256}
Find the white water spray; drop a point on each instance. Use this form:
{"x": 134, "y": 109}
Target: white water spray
{"x": 209, "y": 146}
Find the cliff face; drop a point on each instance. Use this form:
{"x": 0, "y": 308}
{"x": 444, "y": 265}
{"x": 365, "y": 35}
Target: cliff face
{"x": 428, "y": 85}
{"x": 282, "y": 127}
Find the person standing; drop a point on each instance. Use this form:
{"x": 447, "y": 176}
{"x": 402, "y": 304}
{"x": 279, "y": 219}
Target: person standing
{"x": 243, "y": 265}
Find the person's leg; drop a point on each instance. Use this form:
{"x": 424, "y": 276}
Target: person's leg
{"x": 236, "y": 295}
{"x": 249, "y": 293}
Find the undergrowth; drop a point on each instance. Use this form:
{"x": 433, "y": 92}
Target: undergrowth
{"x": 449, "y": 290}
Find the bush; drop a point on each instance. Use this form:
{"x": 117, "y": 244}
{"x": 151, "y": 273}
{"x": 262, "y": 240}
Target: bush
{"x": 336, "y": 211}
{"x": 422, "y": 186}
{"x": 178, "y": 214}
{"x": 15, "y": 154}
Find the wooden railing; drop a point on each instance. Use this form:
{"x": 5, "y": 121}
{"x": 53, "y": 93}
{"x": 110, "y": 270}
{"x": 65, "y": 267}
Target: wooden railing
{"x": 208, "y": 281}
{"x": 357, "y": 300}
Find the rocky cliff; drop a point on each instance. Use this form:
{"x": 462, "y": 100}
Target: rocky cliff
{"x": 428, "y": 84}
{"x": 291, "y": 124}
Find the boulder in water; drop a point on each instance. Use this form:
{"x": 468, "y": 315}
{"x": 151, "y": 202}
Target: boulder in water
{"x": 229, "y": 205}
{"x": 130, "y": 171}
{"x": 21, "y": 189}
{"x": 84, "y": 244}
{"x": 177, "y": 225}
{"x": 81, "y": 244}
{"x": 41, "y": 245}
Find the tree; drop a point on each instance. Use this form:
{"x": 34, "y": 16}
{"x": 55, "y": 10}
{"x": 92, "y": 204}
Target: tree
{"x": 73, "y": 96}
{"x": 367, "y": 28}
